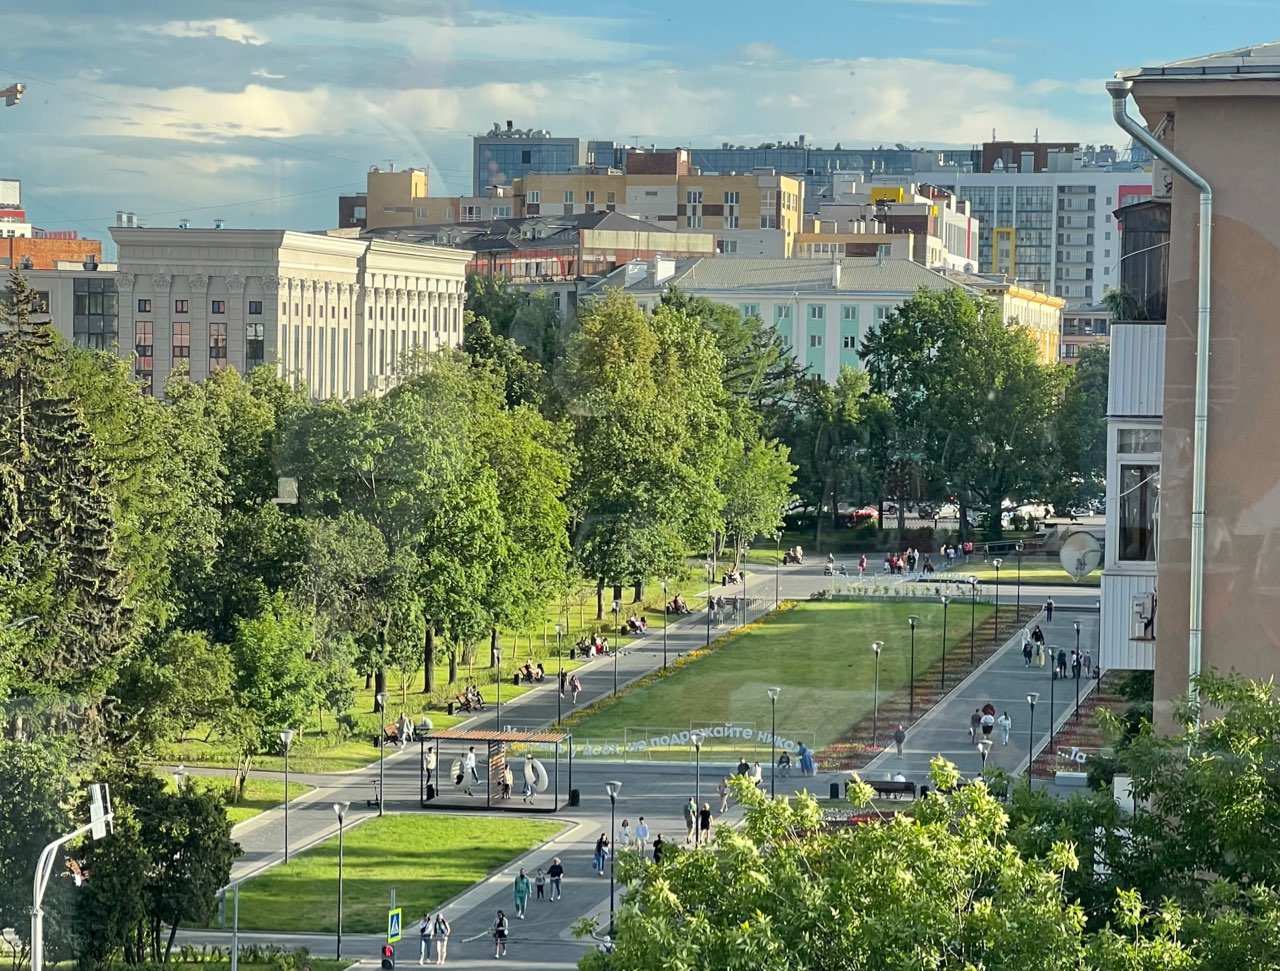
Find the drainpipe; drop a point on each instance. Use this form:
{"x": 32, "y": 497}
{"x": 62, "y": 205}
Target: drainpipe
{"x": 1119, "y": 91}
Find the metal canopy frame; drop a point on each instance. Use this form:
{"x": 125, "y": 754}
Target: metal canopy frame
{"x": 495, "y": 743}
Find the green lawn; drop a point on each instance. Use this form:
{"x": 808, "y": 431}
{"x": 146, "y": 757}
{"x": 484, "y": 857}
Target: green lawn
{"x": 427, "y": 858}
{"x": 818, "y": 652}
{"x": 259, "y": 794}
{"x": 1033, "y": 571}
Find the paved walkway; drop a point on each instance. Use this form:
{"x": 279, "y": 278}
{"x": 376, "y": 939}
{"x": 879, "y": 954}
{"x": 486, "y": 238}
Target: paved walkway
{"x": 654, "y": 790}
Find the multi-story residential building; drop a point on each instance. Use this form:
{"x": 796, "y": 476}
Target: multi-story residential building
{"x": 823, "y": 308}
{"x": 1052, "y": 231}
{"x": 80, "y": 302}
{"x": 1219, "y": 115}
{"x": 1082, "y": 327}
{"x": 1039, "y": 314}
{"x": 747, "y": 213}
{"x": 503, "y": 155}
{"x": 332, "y": 313}
{"x": 395, "y": 198}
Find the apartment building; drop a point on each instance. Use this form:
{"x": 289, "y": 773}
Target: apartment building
{"x": 1220, "y": 115}
{"x": 504, "y": 154}
{"x": 1052, "y": 231}
{"x": 1039, "y": 314}
{"x": 745, "y": 213}
{"x": 332, "y": 313}
{"x": 1084, "y": 327}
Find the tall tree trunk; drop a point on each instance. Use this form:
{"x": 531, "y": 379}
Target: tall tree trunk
{"x": 379, "y": 687}
{"x": 429, "y": 658}
{"x": 617, "y": 595}
{"x": 368, "y": 680}
{"x": 168, "y": 948}
{"x": 902, "y": 519}
{"x": 600, "y": 600}
{"x": 995, "y": 527}
{"x": 493, "y": 647}
{"x": 453, "y": 663}
{"x": 637, "y": 593}
{"x": 964, "y": 518}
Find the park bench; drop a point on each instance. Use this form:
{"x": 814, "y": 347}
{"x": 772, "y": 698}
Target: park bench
{"x": 893, "y": 790}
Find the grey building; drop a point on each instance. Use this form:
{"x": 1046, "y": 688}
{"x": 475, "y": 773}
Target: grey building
{"x": 502, "y": 155}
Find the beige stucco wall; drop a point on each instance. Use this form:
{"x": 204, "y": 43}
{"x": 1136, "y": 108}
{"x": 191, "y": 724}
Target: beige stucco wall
{"x": 1232, "y": 141}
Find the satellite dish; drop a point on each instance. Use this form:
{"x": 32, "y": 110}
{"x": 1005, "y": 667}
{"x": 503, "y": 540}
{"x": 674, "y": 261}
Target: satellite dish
{"x": 1081, "y": 554}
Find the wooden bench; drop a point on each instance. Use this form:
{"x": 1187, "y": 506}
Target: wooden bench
{"x": 893, "y": 790}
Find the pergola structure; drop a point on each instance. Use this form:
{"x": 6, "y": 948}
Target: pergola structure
{"x": 454, "y": 743}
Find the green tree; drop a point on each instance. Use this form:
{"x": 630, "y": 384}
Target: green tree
{"x": 523, "y": 380}
{"x": 757, "y": 490}
{"x": 1080, "y": 434}
{"x": 527, "y": 319}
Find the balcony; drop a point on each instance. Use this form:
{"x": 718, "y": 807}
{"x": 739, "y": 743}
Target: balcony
{"x": 1135, "y": 384}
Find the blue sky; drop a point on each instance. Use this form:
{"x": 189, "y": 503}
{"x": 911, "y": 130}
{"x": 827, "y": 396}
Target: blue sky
{"x": 261, "y": 113}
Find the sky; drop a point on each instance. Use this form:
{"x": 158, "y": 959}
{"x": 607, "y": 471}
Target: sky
{"x": 262, "y": 113}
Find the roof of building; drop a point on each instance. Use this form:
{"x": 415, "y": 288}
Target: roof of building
{"x": 857, "y": 274}
{"x": 1246, "y": 61}
{"x": 528, "y": 232}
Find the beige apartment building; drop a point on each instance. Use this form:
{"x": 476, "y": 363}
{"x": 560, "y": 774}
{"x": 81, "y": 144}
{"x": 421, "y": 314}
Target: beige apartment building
{"x": 332, "y": 313}
{"x": 1220, "y": 115}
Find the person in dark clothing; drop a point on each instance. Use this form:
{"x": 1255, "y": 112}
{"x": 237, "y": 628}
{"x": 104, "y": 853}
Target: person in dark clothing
{"x": 1048, "y": 610}
{"x": 1062, "y": 663}
{"x": 556, "y": 873}
{"x": 658, "y": 847}
{"x": 704, "y": 821}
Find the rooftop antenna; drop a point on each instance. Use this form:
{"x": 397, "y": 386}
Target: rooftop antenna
{"x": 993, "y": 134}
{"x": 1037, "y": 136}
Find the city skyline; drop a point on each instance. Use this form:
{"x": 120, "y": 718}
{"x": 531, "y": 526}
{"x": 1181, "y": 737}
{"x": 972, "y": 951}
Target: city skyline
{"x": 261, "y": 120}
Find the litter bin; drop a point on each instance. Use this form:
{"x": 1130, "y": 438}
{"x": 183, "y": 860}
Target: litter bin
{"x": 575, "y": 797}
{"x": 835, "y": 790}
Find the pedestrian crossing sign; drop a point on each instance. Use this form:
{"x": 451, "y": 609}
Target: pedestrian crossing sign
{"x": 393, "y": 925}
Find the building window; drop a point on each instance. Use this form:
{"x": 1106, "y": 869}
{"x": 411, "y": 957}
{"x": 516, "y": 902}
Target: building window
{"x": 882, "y": 313}
{"x": 768, "y": 220}
{"x": 693, "y": 197}
{"x": 568, "y": 196}
{"x": 782, "y": 313}
{"x": 609, "y": 199}
{"x": 1139, "y": 498}
{"x": 815, "y": 340}
{"x": 526, "y": 156}
{"x": 817, "y": 311}
{"x": 181, "y": 342}
{"x": 849, "y": 313}
{"x": 96, "y": 313}
{"x": 533, "y": 196}
{"x": 255, "y": 308}
{"x": 217, "y": 345}
{"x": 143, "y": 348}
{"x": 255, "y": 345}
{"x": 731, "y": 198}
{"x": 181, "y": 307}
{"x": 726, "y": 247}
{"x": 40, "y": 301}
{"x": 218, "y": 306}
{"x": 749, "y": 310}
{"x": 591, "y": 196}
{"x": 849, "y": 342}
{"x": 144, "y": 306}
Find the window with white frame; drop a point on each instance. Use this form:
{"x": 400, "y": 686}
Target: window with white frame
{"x": 817, "y": 311}
{"x": 815, "y": 340}
{"x": 693, "y": 197}
{"x": 534, "y": 196}
{"x": 882, "y": 313}
{"x": 782, "y": 314}
{"x": 749, "y": 310}
{"x": 1138, "y": 498}
{"x": 849, "y": 313}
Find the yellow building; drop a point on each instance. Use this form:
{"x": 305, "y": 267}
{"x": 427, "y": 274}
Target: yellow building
{"x": 1038, "y": 313}
{"x": 395, "y": 198}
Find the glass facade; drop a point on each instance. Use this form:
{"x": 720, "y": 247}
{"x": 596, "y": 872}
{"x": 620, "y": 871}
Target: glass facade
{"x": 97, "y": 315}
{"x": 500, "y": 161}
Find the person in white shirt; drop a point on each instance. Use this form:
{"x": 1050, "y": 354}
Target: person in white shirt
{"x": 624, "y": 836}
{"x": 1005, "y": 724}
{"x": 469, "y": 768}
{"x": 642, "y": 835}
{"x": 757, "y": 775}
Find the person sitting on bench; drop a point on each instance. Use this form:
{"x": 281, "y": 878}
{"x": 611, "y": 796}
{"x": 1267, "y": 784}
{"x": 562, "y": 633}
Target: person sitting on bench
{"x": 539, "y": 672}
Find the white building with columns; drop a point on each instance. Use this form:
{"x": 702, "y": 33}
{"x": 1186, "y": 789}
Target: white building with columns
{"x": 333, "y": 314}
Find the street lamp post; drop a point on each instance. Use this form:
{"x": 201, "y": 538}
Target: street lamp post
{"x": 497, "y": 707}
{"x": 340, "y": 810}
{"x": 617, "y": 608}
{"x": 381, "y": 697}
{"x": 1075, "y": 668}
{"x": 286, "y": 739}
{"x": 1032, "y": 698}
{"x": 996, "y": 563}
{"x": 911, "y": 683}
{"x": 1053, "y": 678}
{"x": 711, "y": 576}
{"x": 876, "y": 647}
{"x": 1017, "y": 613}
{"x": 613, "y": 788}
{"x": 696, "y": 738}
{"x": 664, "y": 625}
{"x": 777, "y": 569}
{"x": 973, "y": 613}
{"x": 773, "y": 741}
{"x": 945, "y": 601}
{"x": 559, "y": 673}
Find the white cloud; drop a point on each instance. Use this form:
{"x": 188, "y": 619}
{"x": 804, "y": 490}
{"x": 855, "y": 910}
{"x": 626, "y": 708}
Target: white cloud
{"x": 759, "y": 51}
{"x": 1092, "y": 86}
{"x": 263, "y": 73}
{"x": 224, "y": 27}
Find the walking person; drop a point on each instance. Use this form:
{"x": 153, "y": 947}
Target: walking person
{"x": 722, "y": 790}
{"x": 556, "y": 873}
{"x": 1075, "y": 665}
{"x": 1040, "y": 654}
{"x": 1026, "y": 651}
{"x": 469, "y": 768}
{"x": 1088, "y": 662}
{"x": 690, "y": 819}
{"x": 575, "y": 687}
{"x": 1062, "y": 663}
{"x": 642, "y": 835}
{"x": 522, "y": 888}
{"x": 658, "y": 847}
{"x": 757, "y": 775}
{"x": 564, "y": 681}
{"x": 508, "y": 779}
{"x": 975, "y": 721}
{"x": 1005, "y": 724}
{"x": 899, "y": 736}
{"x": 501, "y": 928}
{"x": 441, "y": 931}
{"x": 624, "y": 836}
{"x": 1048, "y": 610}
{"x": 424, "y": 938}
{"x": 429, "y": 765}
{"x": 602, "y": 853}
{"x": 540, "y": 885}
{"x": 988, "y": 723}
{"x": 704, "y": 821}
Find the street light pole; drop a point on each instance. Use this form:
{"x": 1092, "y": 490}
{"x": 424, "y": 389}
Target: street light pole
{"x": 613, "y": 788}
{"x": 382, "y": 747}
{"x": 286, "y": 739}
{"x": 697, "y": 783}
{"x": 773, "y": 741}
{"x": 1017, "y": 613}
{"x": 945, "y": 601}
{"x": 876, "y": 647}
{"x": 1075, "y": 668}
{"x": 911, "y": 684}
{"x": 497, "y": 708}
{"x": 559, "y": 673}
{"x": 617, "y": 609}
{"x": 711, "y": 576}
{"x": 996, "y": 563}
{"x": 340, "y": 810}
{"x": 1053, "y": 678}
{"x": 777, "y": 569}
{"x": 664, "y": 625}
{"x": 973, "y": 612}
{"x": 1032, "y": 698}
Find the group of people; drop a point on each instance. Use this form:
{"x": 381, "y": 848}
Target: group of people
{"x": 569, "y": 683}
{"x": 910, "y": 560}
{"x": 470, "y": 699}
{"x": 1035, "y": 650}
{"x": 793, "y": 556}
{"x": 636, "y": 624}
{"x": 529, "y": 674}
{"x": 732, "y": 578}
{"x": 677, "y": 605}
{"x": 596, "y": 645}
{"x": 984, "y": 721}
